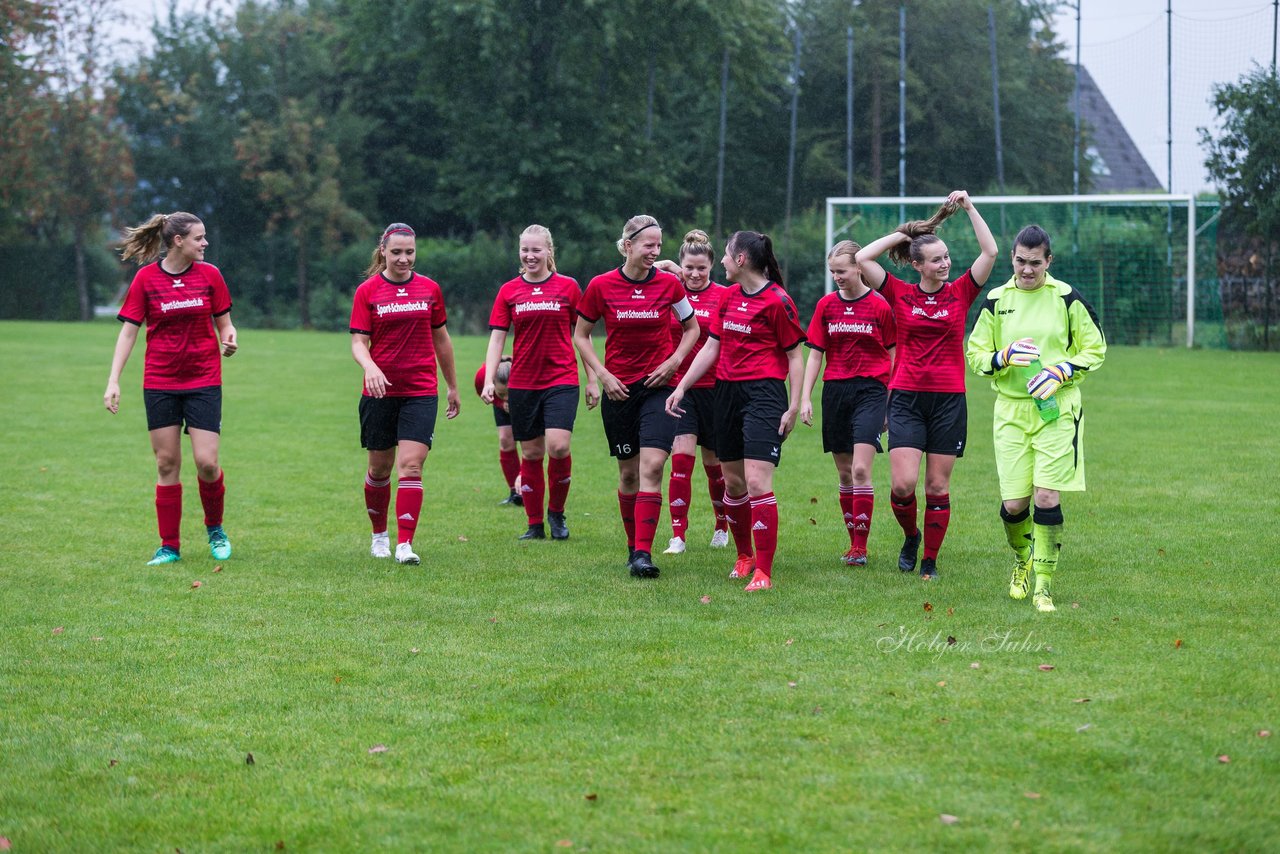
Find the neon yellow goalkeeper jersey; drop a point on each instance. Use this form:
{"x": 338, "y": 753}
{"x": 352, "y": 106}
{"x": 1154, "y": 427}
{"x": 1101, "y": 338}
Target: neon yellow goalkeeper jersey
{"x": 1054, "y": 316}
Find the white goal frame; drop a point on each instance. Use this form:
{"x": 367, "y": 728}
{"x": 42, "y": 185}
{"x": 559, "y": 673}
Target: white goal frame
{"x": 1180, "y": 199}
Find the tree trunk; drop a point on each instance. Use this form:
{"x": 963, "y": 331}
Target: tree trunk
{"x": 82, "y": 275}
{"x": 304, "y": 297}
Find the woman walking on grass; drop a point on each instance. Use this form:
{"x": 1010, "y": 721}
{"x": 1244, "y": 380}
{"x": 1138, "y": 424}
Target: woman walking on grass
{"x": 927, "y": 413}
{"x": 397, "y": 336}
{"x": 186, "y": 307}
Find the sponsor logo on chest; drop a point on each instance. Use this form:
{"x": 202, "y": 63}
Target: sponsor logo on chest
{"x": 417, "y": 305}
{"x": 179, "y": 304}
{"x": 859, "y": 327}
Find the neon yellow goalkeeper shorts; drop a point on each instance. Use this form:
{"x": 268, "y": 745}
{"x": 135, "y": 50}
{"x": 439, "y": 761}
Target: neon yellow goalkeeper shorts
{"x": 1034, "y": 453}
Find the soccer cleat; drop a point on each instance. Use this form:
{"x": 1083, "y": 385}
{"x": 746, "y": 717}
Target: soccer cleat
{"x": 719, "y": 539}
{"x": 381, "y": 546}
{"x": 928, "y": 569}
{"x": 855, "y": 557}
{"x": 642, "y": 565}
{"x": 743, "y": 567}
{"x": 164, "y": 555}
{"x": 1043, "y": 600}
{"x": 514, "y": 499}
{"x": 219, "y": 545}
{"x": 536, "y": 532}
{"x": 559, "y": 528}
{"x": 405, "y": 555}
{"x": 907, "y": 557}
{"x": 759, "y": 581}
{"x": 675, "y": 547}
{"x": 1020, "y": 581}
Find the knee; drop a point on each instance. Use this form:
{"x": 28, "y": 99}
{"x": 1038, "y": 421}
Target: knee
{"x": 533, "y": 455}
{"x": 168, "y": 464}
{"x": 861, "y": 475}
{"x": 1015, "y": 507}
{"x": 207, "y": 470}
{"x": 937, "y": 486}
{"x": 759, "y": 484}
{"x": 559, "y": 449}
{"x": 902, "y": 491}
{"x": 1046, "y": 498}
{"x": 628, "y": 482}
{"x": 506, "y": 444}
{"x": 410, "y": 468}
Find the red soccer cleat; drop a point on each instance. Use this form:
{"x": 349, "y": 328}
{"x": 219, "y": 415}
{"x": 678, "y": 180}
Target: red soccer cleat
{"x": 855, "y": 557}
{"x": 759, "y": 581}
{"x": 743, "y": 568}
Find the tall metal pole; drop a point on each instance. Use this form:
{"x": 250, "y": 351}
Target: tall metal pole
{"x": 1075, "y": 149}
{"x": 724, "y": 114}
{"x": 902, "y": 109}
{"x": 1169, "y": 123}
{"x": 791, "y": 153}
{"x": 1275, "y": 26}
{"x": 995, "y": 98}
{"x": 848, "y": 110}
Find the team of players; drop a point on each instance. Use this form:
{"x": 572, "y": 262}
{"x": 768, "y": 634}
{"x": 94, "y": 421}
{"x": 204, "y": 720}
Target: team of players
{"x": 687, "y": 363}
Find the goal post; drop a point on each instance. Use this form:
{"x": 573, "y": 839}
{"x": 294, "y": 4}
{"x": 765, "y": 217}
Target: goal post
{"x": 1132, "y": 256}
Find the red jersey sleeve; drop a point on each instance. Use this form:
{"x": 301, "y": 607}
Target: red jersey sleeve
{"x": 480, "y": 380}
{"x": 500, "y": 316}
{"x": 816, "y": 336}
{"x": 134, "y": 309}
{"x": 591, "y": 306}
{"x": 221, "y": 296}
{"x": 438, "y": 316}
{"x": 786, "y": 322}
{"x": 892, "y": 287}
{"x": 361, "y": 317}
{"x": 888, "y": 328}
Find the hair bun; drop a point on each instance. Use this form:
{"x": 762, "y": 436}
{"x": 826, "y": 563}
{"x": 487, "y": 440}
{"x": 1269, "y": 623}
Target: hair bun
{"x": 697, "y": 237}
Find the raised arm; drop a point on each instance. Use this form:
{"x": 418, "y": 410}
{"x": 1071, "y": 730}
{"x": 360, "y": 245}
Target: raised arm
{"x": 872, "y": 273}
{"x": 986, "y": 260}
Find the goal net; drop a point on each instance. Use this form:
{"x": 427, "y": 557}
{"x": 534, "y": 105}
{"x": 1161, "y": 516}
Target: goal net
{"x": 1146, "y": 263}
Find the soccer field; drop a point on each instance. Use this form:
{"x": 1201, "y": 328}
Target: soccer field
{"x": 534, "y": 696}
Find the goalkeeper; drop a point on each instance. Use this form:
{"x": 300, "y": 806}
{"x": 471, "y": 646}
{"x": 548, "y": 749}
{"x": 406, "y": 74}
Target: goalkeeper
{"x": 1037, "y": 339}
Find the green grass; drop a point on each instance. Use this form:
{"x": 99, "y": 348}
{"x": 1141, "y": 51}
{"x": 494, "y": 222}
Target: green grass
{"x": 553, "y": 698}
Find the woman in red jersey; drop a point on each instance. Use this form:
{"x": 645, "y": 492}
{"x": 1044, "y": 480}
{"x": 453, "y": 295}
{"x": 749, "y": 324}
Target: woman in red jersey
{"x": 852, "y": 328}
{"x": 508, "y": 455}
{"x": 755, "y": 335}
{"x": 182, "y": 377}
{"x": 539, "y": 307}
{"x": 635, "y": 301}
{"x": 927, "y": 413}
{"x": 397, "y": 336}
{"x": 697, "y": 425}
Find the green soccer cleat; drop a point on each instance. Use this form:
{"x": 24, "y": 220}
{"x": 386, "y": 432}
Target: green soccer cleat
{"x": 1020, "y": 581}
{"x": 219, "y": 545}
{"x": 164, "y": 555}
{"x": 1043, "y": 602}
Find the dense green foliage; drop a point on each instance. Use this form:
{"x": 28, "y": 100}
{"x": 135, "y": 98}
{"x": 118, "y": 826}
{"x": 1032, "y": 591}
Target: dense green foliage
{"x": 528, "y": 694}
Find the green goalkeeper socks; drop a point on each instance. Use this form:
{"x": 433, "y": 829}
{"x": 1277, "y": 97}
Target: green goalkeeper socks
{"x": 1017, "y": 530}
{"x": 1047, "y": 543}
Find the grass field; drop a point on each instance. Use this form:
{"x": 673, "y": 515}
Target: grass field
{"x": 535, "y": 697}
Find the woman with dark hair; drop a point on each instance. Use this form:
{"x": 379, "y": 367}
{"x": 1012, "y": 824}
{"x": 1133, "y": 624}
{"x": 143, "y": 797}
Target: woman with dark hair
{"x": 636, "y": 302}
{"x": 1037, "y": 339}
{"x": 177, "y": 297}
{"x": 397, "y": 336}
{"x": 754, "y": 344}
{"x": 927, "y": 413}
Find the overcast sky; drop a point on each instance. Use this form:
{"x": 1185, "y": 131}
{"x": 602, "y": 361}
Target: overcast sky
{"x": 1124, "y": 46}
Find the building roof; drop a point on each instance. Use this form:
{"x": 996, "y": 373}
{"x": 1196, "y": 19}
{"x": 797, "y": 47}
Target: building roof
{"x": 1118, "y": 166}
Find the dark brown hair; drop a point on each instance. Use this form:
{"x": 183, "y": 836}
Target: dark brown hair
{"x": 921, "y": 232}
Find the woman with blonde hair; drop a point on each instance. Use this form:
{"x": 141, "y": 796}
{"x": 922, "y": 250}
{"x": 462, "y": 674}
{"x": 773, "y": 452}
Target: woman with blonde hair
{"x": 186, "y": 307}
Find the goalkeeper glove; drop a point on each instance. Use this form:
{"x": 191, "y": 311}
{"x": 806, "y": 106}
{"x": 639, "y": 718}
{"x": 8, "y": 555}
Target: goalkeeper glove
{"x": 1045, "y": 384}
{"x": 1020, "y": 353}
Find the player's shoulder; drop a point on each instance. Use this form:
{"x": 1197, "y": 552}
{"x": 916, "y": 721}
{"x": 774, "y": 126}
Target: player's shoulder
{"x": 606, "y": 279}
{"x": 564, "y": 281}
{"x": 204, "y": 268}
{"x": 427, "y": 281}
{"x": 999, "y": 292}
{"x": 670, "y": 280}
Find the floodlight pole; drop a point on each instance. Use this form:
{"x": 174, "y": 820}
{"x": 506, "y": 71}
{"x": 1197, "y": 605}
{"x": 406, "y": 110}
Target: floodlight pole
{"x": 791, "y": 153}
{"x": 848, "y": 112}
{"x": 724, "y": 114}
{"x": 1075, "y": 149}
{"x": 902, "y": 108}
{"x": 1169, "y": 120}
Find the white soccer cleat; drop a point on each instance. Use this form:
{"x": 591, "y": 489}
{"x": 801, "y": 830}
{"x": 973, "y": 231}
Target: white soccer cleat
{"x": 675, "y": 547}
{"x": 720, "y": 539}
{"x": 381, "y": 546}
{"x": 405, "y": 555}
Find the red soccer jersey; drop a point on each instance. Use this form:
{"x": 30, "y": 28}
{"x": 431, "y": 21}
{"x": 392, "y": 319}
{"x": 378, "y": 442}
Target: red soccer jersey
{"x": 398, "y": 318}
{"x": 183, "y": 351}
{"x": 756, "y": 331}
{"x": 705, "y": 303}
{"x": 930, "y": 333}
{"x": 635, "y": 316}
{"x": 542, "y": 315}
{"x": 854, "y": 334}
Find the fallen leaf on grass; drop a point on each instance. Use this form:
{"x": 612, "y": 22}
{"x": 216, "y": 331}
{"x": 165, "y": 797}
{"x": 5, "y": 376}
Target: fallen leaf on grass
{"x": 1082, "y": 700}
{"x": 813, "y": 500}
{"x": 1160, "y": 552}
{"x": 1046, "y": 667}
{"x": 218, "y": 568}
{"x": 463, "y": 540}
{"x": 96, "y": 639}
{"x": 59, "y": 630}
{"x": 812, "y": 521}
{"x": 493, "y": 619}
{"x": 951, "y": 612}
{"x": 975, "y": 666}
{"x": 1224, "y": 759}
{"x": 791, "y": 684}
{"x": 1032, "y": 795}
{"x": 279, "y": 844}
{"x": 942, "y": 684}
{"x": 1177, "y": 644}
{"x": 1075, "y": 604}
{"x": 195, "y": 585}
{"x": 591, "y": 797}
{"x": 928, "y": 607}
{"x": 789, "y": 642}
{"x": 379, "y": 748}
{"x": 944, "y": 720}
{"x": 705, "y": 600}
{"x": 1084, "y": 727}
{"x": 414, "y": 650}
{"x": 1264, "y": 733}
{"x": 817, "y": 710}
{"x": 947, "y": 819}
{"x": 564, "y": 843}
{"x": 113, "y": 763}
{"x": 248, "y": 759}
{"x": 951, "y": 640}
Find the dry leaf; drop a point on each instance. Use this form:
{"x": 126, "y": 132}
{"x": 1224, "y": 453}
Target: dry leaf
{"x": 951, "y": 640}
{"x": 817, "y": 710}
{"x": 1046, "y": 667}
{"x": 493, "y": 619}
{"x": 248, "y": 759}
{"x": 337, "y": 680}
{"x": 96, "y": 639}
{"x": 947, "y": 819}
{"x": 378, "y": 748}
{"x": 1264, "y": 733}
{"x": 1084, "y": 727}
{"x": 1224, "y": 759}
{"x": 195, "y": 585}
{"x": 218, "y": 568}
{"x": 59, "y": 630}
{"x": 812, "y": 521}
{"x": 1017, "y": 823}
{"x": 975, "y": 666}
{"x": 414, "y": 650}
{"x": 1160, "y": 552}
{"x": 1032, "y": 795}
{"x": 1081, "y": 700}
{"x": 113, "y": 763}
{"x": 463, "y": 540}
{"x": 591, "y": 797}
{"x": 928, "y": 607}
{"x": 791, "y": 684}
{"x": 951, "y": 612}
{"x": 813, "y": 500}
{"x": 944, "y": 720}
{"x": 1075, "y": 604}
{"x": 705, "y": 600}
{"x": 789, "y": 642}
{"x": 279, "y": 844}
{"x": 942, "y": 684}
{"x": 564, "y": 843}
{"x": 1177, "y": 643}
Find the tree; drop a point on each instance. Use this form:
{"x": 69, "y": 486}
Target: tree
{"x": 1244, "y": 159}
